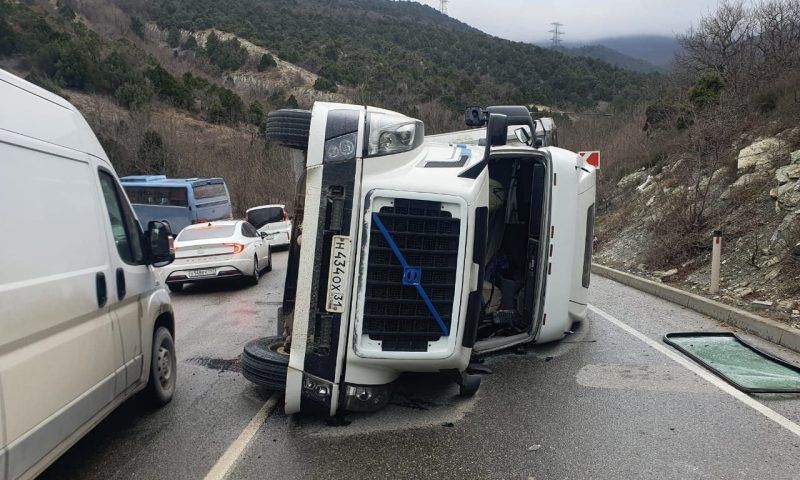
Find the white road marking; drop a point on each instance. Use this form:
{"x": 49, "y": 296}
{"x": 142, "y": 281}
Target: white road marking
{"x": 704, "y": 374}
{"x": 223, "y": 467}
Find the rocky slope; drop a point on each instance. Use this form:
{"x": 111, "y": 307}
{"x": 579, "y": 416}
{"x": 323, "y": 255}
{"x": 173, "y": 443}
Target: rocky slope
{"x": 760, "y": 196}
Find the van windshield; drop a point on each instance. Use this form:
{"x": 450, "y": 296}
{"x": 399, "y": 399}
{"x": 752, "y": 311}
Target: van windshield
{"x": 206, "y": 233}
{"x": 165, "y": 196}
{"x": 262, "y": 216}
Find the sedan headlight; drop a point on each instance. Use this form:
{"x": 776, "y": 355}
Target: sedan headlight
{"x": 389, "y": 134}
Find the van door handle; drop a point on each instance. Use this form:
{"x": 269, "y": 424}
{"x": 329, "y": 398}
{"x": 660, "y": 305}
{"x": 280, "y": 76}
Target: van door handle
{"x": 120, "y": 284}
{"x": 100, "y": 286}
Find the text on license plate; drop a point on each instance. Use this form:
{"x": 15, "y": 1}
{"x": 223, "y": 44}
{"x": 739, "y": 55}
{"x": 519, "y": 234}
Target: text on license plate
{"x": 337, "y": 274}
{"x": 203, "y": 272}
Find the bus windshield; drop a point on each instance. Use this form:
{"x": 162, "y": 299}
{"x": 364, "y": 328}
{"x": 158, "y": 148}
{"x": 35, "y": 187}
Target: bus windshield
{"x": 164, "y": 196}
{"x": 209, "y": 191}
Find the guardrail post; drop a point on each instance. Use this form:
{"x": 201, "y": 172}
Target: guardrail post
{"x": 716, "y": 254}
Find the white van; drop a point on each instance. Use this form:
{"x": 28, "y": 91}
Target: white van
{"x": 84, "y": 321}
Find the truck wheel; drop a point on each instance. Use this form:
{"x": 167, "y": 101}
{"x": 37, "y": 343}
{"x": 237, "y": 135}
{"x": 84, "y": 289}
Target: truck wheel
{"x": 289, "y": 128}
{"x": 264, "y": 362}
{"x": 163, "y": 368}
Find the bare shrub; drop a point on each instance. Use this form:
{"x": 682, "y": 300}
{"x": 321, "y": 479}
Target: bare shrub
{"x": 746, "y": 45}
{"x": 437, "y": 118}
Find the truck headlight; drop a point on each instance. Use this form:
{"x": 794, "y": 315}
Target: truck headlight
{"x": 341, "y": 148}
{"x": 388, "y": 134}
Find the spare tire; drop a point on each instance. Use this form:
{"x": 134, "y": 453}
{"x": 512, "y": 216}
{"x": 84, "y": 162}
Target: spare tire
{"x": 289, "y": 127}
{"x": 264, "y": 362}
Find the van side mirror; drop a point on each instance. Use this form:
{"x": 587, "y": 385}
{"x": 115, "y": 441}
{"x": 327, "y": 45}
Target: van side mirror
{"x": 496, "y": 130}
{"x": 158, "y": 239}
{"x": 262, "y": 234}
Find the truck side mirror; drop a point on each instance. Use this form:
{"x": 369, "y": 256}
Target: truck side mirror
{"x": 158, "y": 240}
{"x": 522, "y": 135}
{"x": 496, "y": 130}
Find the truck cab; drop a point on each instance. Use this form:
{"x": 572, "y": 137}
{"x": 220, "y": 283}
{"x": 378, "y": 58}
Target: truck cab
{"x": 414, "y": 253}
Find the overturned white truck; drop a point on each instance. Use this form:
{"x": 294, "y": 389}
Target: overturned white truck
{"x": 413, "y": 253}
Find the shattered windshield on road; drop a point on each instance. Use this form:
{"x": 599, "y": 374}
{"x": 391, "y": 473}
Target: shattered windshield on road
{"x": 737, "y": 361}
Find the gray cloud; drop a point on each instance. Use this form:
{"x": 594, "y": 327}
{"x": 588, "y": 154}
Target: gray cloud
{"x": 584, "y": 20}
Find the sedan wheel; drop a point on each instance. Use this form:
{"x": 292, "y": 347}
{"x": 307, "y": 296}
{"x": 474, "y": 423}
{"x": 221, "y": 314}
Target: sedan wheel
{"x": 255, "y": 278}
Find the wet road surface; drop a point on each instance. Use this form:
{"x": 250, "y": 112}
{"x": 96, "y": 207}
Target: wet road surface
{"x": 604, "y": 403}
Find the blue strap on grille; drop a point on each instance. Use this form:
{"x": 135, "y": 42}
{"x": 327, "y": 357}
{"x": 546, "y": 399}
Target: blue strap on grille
{"x": 411, "y": 275}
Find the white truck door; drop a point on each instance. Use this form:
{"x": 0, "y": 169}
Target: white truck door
{"x": 327, "y": 258}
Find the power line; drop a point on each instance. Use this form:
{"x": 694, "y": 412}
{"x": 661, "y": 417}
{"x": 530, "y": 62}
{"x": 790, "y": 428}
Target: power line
{"x": 557, "y": 33}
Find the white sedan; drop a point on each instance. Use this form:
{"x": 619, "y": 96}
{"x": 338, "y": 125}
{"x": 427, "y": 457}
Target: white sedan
{"x": 214, "y": 250}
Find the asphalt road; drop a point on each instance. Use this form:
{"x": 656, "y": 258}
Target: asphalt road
{"x": 604, "y": 403}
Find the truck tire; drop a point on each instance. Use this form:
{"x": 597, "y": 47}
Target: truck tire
{"x": 264, "y": 362}
{"x": 289, "y": 128}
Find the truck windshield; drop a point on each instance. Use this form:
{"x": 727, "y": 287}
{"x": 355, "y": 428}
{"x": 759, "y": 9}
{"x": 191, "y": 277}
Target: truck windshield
{"x": 262, "y": 216}
{"x": 206, "y": 233}
{"x": 164, "y": 196}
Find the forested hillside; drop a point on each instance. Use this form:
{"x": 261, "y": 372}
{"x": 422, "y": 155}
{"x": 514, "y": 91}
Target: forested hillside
{"x": 403, "y": 53}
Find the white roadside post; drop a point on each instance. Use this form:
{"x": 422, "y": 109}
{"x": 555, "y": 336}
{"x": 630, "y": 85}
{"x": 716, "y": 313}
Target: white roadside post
{"x": 716, "y": 254}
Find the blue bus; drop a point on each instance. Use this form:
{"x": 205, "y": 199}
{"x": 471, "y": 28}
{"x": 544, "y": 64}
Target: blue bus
{"x": 179, "y": 201}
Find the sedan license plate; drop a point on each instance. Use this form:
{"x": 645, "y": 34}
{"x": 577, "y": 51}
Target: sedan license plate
{"x": 337, "y": 274}
{"x": 203, "y": 272}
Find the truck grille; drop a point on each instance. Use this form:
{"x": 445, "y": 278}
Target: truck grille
{"x": 394, "y": 313}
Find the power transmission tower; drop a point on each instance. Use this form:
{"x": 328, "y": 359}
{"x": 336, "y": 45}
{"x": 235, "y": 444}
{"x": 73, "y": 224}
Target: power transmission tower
{"x": 557, "y": 33}
{"x": 443, "y": 6}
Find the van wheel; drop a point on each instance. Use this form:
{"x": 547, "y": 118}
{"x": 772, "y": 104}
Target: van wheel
{"x": 289, "y": 128}
{"x": 264, "y": 362}
{"x": 163, "y": 368}
{"x": 175, "y": 287}
{"x": 256, "y": 277}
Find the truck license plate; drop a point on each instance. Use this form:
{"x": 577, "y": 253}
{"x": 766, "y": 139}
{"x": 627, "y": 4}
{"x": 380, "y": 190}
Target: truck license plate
{"x": 337, "y": 274}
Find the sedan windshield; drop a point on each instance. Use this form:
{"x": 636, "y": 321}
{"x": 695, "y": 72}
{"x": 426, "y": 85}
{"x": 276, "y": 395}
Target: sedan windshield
{"x": 206, "y": 233}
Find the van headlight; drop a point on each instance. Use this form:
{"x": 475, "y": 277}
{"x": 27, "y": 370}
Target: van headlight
{"x": 388, "y": 134}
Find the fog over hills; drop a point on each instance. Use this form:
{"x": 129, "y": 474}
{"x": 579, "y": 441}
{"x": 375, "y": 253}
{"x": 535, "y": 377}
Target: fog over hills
{"x": 656, "y": 49}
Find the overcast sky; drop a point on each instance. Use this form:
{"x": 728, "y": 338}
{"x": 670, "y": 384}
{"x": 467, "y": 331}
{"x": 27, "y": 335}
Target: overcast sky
{"x": 529, "y": 20}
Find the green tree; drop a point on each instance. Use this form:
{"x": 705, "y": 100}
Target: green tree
{"x": 267, "y": 61}
{"x": 324, "y": 85}
{"x": 169, "y": 88}
{"x": 190, "y": 43}
{"x": 255, "y": 113}
{"x": 291, "y": 102}
{"x": 137, "y": 27}
{"x": 224, "y": 54}
{"x": 706, "y": 90}
{"x": 173, "y": 37}
{"x": 8, "y": 39}
{"x": 133, "y": 96}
